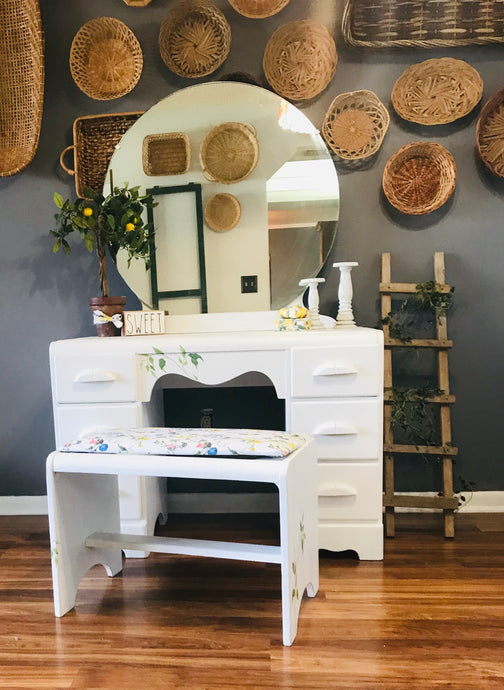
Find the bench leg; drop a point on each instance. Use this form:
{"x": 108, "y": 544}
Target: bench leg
{"x": 298, "y": 538}
{"x": 78, "y": 505}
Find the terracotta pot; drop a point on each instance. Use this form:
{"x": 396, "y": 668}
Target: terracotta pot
{"x": 108, "y": 306}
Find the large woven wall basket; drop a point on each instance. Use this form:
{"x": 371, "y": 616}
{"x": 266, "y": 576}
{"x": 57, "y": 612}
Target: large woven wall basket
{"x": 300, "y": 59}
{"x": 419, "y": 178}
{"x": 21, "y": 83}
{"x": 194, "y": 39}
{"x": 490, "y": 134}
{"x": 355, "y": 124}
{"x": 106, "y": 59}
{"x": 437, "y": 91}
{"x": 95, "y": 138}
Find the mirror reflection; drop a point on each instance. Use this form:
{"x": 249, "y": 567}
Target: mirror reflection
{"x": 248, "y": 199}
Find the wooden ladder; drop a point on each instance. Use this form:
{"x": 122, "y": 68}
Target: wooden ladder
{"x": 446, "y": 499}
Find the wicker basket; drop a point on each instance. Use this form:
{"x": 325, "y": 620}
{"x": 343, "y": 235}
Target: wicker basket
{"x": 300, "y": 59}
{"x": 229, "y": 153}
{"x": 490, "y": 134}
{"x": 422, "y": 23}
{"x": 194, "y": 39}
{"x": 166, "y": 154}
{"x": 419, "y": 178}
{"x": 21, "y": 83}
{"x": 437, "y": 91}
{"x": 355, "y": 124}
{"x": 222, "y": 212}
{"x": 106, "y": 59}
{"x": 95, "y": 139}
{"x": 258, "y": 9}
{"x": 137, "y": 3}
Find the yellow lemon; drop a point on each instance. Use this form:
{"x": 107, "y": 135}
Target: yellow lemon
{"x": 88, "y": 211}
{"x": 129, "y": 227}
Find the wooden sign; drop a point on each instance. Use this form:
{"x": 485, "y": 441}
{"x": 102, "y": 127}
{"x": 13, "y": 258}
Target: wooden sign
{"x": 144, "y": 322}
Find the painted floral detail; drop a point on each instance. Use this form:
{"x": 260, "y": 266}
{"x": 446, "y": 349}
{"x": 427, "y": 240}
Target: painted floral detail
{"x": 155, "y": 362}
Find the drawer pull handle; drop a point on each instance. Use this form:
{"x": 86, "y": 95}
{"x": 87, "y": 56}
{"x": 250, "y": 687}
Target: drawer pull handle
{"x": 336, "y": 490}
{"x": 334, "y": 369}
{"x": 331, "y": 429}
{"x": 94, "y": 376}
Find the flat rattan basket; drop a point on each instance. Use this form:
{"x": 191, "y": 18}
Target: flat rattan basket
{"x": 95, "y": 138}
{"x": 422, "y": 23}
{"x": 419, "y": 178}
{"x": 258, "y": 9}
{"x": 222, "y": 212}
{"x": 194, "y": 39}
{"x": 300, "y": 59}
{"x": 437, "y": 91}
{"x": 21, "y": 83}
{"x": 490, "y": 134}
{"x": 166, "y": 154}
{"x": 229, "y": 153}
{"x": 106, "y": 59}
{"x": 137, "y": 3}
{"x": 355, "y": 124}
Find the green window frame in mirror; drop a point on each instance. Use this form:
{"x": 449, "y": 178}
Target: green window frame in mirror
{"x": 199, "y": 292}
{"x": 289, "y": 202}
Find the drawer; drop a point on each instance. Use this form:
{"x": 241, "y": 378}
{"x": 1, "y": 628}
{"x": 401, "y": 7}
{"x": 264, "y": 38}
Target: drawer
{"x": 100, "y": 378}
{"x": 343, "y": 429}
{"x": 73, "y": 420}
{"x": 337, "y": 371}
{"x": 350, "y": 491}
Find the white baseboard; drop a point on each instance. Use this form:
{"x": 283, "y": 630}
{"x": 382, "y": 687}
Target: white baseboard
{"x": 23, "y": 505}
{"x": 477, "y": 502}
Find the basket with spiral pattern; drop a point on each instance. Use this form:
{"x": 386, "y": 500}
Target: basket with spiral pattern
{"x": 300, "y": 59}
{"x": 194, "y": 39}
{"x": 419, "y": 177}
{"x": 437, "y": 91}
{"x": 258, "y": 9}
{"x": 21, "y": 83}
{"x": 229, "y": 153}
{"x": 355, "y": 124}
{"x": 106, "y": 59}
{"x": 490, "y": 134}
{"x": 222, "y": 212}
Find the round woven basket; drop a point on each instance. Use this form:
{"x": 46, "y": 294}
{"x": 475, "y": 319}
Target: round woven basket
{"x": 229, "y": 153}
{"x": 355, "y": 124}
{"x": 194, "y": 39}
{"x": 419, "y": 178}
{"x": 258, "y": 9}
{"x": 105, "y": 59}
{"x": 437, "y": 91}
{"x": 222, "y": 212}
{"x": 490, "y": 134}
{"x": 300, "y": 59}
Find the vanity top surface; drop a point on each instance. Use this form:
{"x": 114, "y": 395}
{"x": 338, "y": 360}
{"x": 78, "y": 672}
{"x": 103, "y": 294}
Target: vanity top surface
{"x": 232, "y": 341}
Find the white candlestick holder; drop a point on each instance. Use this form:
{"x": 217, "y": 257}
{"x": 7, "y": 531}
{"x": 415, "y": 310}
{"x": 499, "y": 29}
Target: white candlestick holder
{"x": 345, "y": 315}
{"x": 313, "y": 300}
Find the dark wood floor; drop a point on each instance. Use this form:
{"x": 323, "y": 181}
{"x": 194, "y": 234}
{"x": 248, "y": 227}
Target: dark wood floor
{"x": 431, "y": 615}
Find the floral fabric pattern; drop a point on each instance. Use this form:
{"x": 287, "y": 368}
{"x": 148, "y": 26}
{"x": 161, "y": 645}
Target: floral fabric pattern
{"x": 189, "y": 441}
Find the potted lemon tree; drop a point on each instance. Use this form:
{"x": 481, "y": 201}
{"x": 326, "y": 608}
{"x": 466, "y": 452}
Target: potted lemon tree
{"x": 106, "y": 224}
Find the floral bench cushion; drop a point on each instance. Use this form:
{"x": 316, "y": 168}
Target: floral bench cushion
{"x": 189, "y": 441}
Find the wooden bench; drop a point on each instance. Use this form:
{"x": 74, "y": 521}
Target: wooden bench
{"x": 82, "y": 489}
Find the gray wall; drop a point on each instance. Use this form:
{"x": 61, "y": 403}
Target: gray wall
{"x": 44, "y": 296}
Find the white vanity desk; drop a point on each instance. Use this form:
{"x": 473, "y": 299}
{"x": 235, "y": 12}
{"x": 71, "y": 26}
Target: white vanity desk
{"x": 331, "y": 380}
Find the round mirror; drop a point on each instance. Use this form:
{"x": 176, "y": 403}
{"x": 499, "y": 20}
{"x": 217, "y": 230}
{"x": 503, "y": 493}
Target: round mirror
{"x": 247, "y": 199}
